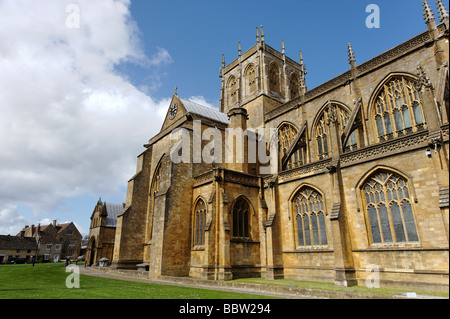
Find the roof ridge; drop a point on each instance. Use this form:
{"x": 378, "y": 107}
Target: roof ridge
{"x": 209, "y": 107}
{"x": 203, "y": 110}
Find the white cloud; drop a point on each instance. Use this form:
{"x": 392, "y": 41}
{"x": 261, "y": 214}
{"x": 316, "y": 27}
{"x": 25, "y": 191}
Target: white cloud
{"x": 10, "y": 220}
{"x": 69, "y": 123}
{"x": 162, "y": 57}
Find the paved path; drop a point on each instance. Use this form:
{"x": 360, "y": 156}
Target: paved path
{"x": 254, "y": 289}
{"x": 99, "y": 273}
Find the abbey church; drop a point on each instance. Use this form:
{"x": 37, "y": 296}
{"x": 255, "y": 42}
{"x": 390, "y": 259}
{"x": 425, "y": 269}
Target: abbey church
{"x": 359, "y": 182}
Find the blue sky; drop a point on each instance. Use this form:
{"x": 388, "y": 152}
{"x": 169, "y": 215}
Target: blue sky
{"x": 197, "y": 33}
{"x": 79, "y": 103}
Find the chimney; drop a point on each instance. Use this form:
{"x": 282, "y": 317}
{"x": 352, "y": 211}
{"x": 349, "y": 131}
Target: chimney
{"x": 54, "y": 223}
{"x": 22, "y": 234}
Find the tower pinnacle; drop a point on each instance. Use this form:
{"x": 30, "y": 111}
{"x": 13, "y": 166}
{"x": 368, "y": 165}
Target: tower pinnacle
{"x": 351, "y": 55}
{"x": 443, "y": 14}
{"x": 427, "y": 12}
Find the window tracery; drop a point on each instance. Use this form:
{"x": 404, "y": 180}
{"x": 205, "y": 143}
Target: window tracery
{"x": 241, "y": 214}
{"x": 200, "y": 223}
{"x": 294, "y": 87}
{"x": 232, "y": 90}
{"x": 286, "y": 136}
{"x": 251, "y": 79}
{"x": 389, "y": 210}
{"x": 398, "y": 110}
{"x": 310, "y": 218}
{"x": 274, "y": 78}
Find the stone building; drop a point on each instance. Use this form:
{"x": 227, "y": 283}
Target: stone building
{"x": 55, "y": 241}
{"x": 359, "y": 182}
{"x": 102, "y": 232}
{"x": 15, "y": 249}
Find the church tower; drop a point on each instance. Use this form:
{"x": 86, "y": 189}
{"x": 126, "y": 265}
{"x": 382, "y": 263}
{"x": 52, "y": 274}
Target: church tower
{"x": 260, "y": 80}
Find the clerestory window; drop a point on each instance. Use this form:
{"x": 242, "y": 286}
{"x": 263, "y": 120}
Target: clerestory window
{"x": 398, "y": 110}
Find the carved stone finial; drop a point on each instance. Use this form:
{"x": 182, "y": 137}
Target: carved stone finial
{"x": 351, "y": 54}
{"x": 424, "y": 80}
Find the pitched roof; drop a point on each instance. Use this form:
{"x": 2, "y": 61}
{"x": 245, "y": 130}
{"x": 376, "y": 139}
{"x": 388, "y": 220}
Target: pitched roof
{"x": 12, "y": 242}
{"x": 113, "y": 210}
{"x": 205, "y": 111}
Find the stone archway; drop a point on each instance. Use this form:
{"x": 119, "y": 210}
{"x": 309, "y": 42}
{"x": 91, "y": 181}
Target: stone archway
{"x": 91, "y": 252}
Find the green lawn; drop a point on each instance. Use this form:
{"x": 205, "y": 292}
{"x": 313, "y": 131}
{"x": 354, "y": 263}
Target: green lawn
{"x": 48, "y": 281}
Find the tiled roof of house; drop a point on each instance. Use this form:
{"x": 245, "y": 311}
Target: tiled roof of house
{"x": 8, "y": 242}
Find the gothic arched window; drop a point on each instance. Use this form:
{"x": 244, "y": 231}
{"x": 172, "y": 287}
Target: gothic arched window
{"x": 241, "y": 215}
{"x": 294, "y": 87}
{"x": 286, "y": 135}
{"x": 322, "y": 131}
{"x": 250, "y": 75}
{"x": 274, "y": 78}
{"x": 232, "y": 90}
{"x": 322, "y": 138}
{"x": 398, "y": 110}
{"x": 389, "y": 209}
{"x": 309, "y": 213}
{"x": 154, "y": 188}
{"x": 199, "y": 223}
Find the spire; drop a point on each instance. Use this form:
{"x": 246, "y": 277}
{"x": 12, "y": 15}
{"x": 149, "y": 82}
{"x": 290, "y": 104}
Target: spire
{"x": 351, "y": 55}
{"x": 443, "y": 14}
{"x": 427, "y": 12}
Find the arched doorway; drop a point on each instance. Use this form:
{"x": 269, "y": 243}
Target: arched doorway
{"x": 91, "y": 252}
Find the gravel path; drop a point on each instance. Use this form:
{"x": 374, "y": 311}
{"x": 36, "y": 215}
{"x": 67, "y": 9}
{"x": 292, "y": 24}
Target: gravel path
{"x": 99, "y": 273}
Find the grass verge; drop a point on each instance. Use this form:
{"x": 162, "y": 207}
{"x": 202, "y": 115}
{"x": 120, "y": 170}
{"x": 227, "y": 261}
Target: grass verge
{"x": 48, "y": 281}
